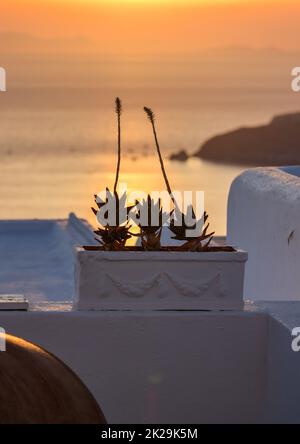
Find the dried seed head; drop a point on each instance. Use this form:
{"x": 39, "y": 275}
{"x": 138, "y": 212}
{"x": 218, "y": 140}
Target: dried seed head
{"x": 118, "y": 106}
{"x": 150, "y": 114}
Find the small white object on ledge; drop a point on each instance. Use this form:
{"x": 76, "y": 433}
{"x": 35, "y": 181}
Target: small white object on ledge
{"x": 13, "y": 302}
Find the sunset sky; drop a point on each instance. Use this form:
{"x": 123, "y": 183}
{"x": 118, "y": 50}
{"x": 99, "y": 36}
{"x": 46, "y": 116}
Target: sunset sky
{"x": 142, "y": 26}
{"x": 205, "y": 66}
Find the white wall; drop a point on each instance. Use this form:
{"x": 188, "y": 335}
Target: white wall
{"x": 264, "y": 219}
{"x": 159, "y": 367}
{"x": 283, "y": 388}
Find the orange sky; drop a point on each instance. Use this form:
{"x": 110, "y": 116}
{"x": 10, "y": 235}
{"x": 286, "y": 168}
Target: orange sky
{"x": 142, "y": 26}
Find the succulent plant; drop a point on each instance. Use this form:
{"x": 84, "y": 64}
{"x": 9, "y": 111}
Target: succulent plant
{"x": 193, "y": 243}
{"x": 179, "y": 229}
{"x": 120, "y": 209}
{"x": 151, "y": 231}
{"x": 114, "y": 237}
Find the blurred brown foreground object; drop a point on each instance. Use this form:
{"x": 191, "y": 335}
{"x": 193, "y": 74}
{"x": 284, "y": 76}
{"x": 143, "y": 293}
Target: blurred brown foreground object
{"x": 38, "y": 388}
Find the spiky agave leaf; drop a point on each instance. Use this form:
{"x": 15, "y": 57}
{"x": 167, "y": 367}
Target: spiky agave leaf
{"x": 151, "y": 241}
{"x": 151, "y": 207}
{"x": 193, "y": 243}
{"x": 180, "y": 227}
{"x": 120, "y": 205}
{"x": 198, "y": 243}
{"x": 151, "y": 231}
{"x": 114, "y": 237}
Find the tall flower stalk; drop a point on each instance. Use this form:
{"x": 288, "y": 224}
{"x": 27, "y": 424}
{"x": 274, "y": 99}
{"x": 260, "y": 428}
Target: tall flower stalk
{"x": 118, "y": 109}
{"x": 180, "y": 230}
{"x": 114, "y": 236}
{"x": 151, "y": 117}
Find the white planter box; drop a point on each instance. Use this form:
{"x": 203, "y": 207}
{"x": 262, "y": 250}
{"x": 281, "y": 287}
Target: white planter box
{"x": 138, "y": 280}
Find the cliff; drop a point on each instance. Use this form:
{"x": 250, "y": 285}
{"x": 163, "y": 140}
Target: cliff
{"x": 277, "y": 143}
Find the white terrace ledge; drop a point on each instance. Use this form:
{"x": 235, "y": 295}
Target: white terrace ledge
{"x": 174, "y": 366}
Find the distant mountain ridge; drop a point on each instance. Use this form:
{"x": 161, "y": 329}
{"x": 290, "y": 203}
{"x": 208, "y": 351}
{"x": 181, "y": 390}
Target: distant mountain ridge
{"x": 22, "y": 43}
{"x": 277, "y": 143}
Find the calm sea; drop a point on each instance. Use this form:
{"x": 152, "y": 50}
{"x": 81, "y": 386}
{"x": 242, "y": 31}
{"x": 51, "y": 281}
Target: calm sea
{"x": 57, "y": 140}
